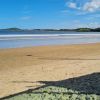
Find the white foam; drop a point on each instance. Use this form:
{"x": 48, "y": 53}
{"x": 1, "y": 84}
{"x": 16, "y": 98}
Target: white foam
{"x": 30, "y": 35}
{"x": 48, "y": 36}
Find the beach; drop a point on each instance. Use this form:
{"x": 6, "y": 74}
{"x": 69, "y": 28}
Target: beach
{"x": 22, "y": 68}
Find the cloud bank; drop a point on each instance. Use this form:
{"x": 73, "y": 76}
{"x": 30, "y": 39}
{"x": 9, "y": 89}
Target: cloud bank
{"x": 89, "y": 6}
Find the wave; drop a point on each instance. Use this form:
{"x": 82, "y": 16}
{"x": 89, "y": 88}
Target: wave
{"x": 48, "y": 36}
{"x": 18, "y": 35}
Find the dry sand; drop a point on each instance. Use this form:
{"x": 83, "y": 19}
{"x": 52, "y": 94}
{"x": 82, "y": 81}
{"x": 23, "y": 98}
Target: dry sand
{"x": 21, "y": 68}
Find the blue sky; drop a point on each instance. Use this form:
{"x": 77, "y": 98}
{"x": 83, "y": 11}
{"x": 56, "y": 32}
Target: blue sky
{"x": 49, "y": 13}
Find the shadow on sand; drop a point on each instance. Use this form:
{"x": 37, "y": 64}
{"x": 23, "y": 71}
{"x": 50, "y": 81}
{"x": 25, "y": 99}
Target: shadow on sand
{"x": 87, "y": 84}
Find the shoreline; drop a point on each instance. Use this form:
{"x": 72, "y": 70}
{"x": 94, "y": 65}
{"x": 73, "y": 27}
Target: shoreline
{"x": 20, "y": 41}
{"x": 55, "y": 45}
{"x": 23, "y": 67}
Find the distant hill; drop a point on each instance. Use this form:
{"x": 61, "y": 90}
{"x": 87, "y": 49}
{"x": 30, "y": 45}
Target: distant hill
{"x": 83, "y": 30}
{"x": 12, "y": 29}
{"x": 75, "y": 30}
{"x": 96, "y": 30}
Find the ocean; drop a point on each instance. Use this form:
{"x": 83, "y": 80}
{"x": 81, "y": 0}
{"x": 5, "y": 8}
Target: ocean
{"x": 10, "y": 39}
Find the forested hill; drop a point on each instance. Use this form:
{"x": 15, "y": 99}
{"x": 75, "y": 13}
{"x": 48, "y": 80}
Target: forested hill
{"x": 75, "y": 30}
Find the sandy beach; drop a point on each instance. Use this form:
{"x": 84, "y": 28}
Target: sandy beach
{"x": 22, "y": 68}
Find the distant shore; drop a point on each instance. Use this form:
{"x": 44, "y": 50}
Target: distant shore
{"x": 23, "y": 67}
{"x": 66, "y": 29}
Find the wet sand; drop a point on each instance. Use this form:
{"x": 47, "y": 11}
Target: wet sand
{"x": 22, "y": 68}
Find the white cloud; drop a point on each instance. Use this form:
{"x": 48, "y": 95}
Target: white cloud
{"x": 72, "y": 5}
{"x": 91, "y": 6}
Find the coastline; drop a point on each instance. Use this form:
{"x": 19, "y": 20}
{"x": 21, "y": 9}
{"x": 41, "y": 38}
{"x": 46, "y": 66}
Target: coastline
{"x": 23, "y": 67}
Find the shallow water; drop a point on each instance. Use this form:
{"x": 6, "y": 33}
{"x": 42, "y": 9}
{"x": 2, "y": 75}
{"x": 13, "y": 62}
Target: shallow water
{"x": 28, "y": 39}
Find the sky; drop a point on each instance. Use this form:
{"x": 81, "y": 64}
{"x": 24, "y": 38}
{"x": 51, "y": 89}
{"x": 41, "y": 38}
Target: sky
{"x": 50, "y": 14}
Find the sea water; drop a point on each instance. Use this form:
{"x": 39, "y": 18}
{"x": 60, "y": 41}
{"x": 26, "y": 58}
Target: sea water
{"x": 41, "y": 38}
